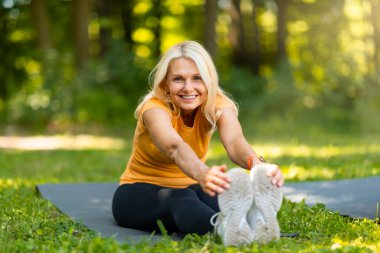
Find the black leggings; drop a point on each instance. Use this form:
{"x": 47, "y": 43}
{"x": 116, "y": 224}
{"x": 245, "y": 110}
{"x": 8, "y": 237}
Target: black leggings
{"x": 184, "y": 210}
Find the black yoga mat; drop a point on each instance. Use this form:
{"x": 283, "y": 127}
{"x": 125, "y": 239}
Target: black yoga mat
{"x": 358, "y": 198}
{"x": 90, "y": 203}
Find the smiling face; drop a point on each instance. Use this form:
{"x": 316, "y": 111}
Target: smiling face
{"x": 185, "y": 85}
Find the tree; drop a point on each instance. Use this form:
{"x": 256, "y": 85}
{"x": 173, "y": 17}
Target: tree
{"x": 103, "y": 8}
{"x": 281, "y": 29}
{"x": 3, "y": 45}
{"x": 157, "y": 13}
{"x": 41, "y": 19}
{"x": 256, "y": 54}
{"x": 81, "y": 41}
{"x": 127, "y": 20}
{"x": 11, "y": 76}
{"x": 237, "y": 34}
{"x": 211, "y": 11}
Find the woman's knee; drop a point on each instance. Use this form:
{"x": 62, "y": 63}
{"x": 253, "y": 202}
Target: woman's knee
{"x": 169, "y": 196}
{"x": 131, "y": 203}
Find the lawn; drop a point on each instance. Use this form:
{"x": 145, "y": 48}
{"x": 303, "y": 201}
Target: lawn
{"x": 32, "y": 224}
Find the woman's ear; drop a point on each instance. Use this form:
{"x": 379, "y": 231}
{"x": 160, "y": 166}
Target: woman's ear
{"x": 166, "y": 88}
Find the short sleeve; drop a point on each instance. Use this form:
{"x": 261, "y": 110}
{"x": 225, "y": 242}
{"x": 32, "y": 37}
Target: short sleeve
{"x": 153, "y": 103}
{"x": 223, "y": 102}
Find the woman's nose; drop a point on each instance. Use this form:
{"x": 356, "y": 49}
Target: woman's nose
{"x": 187, "y": 84}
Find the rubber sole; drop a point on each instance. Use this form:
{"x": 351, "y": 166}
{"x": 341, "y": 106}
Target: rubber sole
{"x": 234, "y": 204}
{"x": 266, "y": 204}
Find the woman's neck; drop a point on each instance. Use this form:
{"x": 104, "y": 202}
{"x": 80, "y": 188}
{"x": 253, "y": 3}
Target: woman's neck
{"x": 189, "y": 117}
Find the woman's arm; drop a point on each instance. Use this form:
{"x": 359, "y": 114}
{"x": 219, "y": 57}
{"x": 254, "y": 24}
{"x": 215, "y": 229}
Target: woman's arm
{"x": 237, "y": 147}
{"x": 158, "y": 122}
{"x": 231, "y": 135}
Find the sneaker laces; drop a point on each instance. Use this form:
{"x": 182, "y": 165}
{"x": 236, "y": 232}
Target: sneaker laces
{"x": 216, "y": 220}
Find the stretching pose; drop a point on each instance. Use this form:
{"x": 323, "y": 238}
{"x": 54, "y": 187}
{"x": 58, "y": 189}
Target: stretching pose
{"x": 167, "y": 177}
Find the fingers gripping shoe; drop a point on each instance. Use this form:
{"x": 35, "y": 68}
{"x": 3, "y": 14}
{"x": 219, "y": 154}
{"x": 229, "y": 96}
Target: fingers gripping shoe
{"x": 232, "y": 225}
{"x": 262, "y": 216}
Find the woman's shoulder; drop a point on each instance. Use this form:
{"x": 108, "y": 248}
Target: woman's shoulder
{"x": 154, "y": 102}
{"x": 223, "y": 101}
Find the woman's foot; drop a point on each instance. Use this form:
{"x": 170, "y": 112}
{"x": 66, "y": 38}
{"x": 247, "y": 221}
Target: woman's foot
{"x": 262, "y": 216}
{"x": 234, "y": 203}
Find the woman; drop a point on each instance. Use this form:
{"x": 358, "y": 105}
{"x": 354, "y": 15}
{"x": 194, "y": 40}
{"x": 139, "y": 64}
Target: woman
{"x": 166, "y": 177}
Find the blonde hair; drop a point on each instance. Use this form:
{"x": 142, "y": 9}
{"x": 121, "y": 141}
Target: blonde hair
{"x": 194, "y": 51}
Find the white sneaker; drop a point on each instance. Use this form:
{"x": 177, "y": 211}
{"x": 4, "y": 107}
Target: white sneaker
{"x": 231, "y": 223}
{"x": 262, "y": 216}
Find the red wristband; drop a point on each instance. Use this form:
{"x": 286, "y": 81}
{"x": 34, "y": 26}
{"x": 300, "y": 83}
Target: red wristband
{"x": 250, "y": 161}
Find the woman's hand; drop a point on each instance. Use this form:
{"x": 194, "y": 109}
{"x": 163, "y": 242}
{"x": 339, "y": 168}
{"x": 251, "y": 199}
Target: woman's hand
{"x": 275, "y": 173}
{"x": 215, "y": 180}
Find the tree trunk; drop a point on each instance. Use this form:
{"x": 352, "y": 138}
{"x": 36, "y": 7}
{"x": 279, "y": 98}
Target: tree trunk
{"x": 126, "y": 16}
{"x": 281, "y": 29}
{"x": 157, "y": 13}
{"x": 104, "y": 12}
{"x": 3, "y": 45}
{"x": 81, "y": 41}
{"x": 42, "y": 23}
{"x": 211, "y": 11}
{"x": 256, "y": 55}
{"x": 237, "y": 34}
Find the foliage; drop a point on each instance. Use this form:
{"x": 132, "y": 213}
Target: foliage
{"x": 329, "y": 73}
{"x": 368, "y": 104}
{"x": 106, "y": 92}
{"x": 117, "y": 77}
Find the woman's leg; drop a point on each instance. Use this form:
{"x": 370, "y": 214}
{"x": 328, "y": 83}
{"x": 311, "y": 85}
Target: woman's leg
{"x": 140, "y": 205}
{"x": 205, "y": 198}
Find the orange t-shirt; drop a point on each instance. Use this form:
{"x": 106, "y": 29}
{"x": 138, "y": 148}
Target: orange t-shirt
{"x": 148, "y": 164}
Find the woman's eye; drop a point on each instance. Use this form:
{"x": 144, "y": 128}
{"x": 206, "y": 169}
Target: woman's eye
{"x": 177, "y": 79}
{"x": 197, "y": 78}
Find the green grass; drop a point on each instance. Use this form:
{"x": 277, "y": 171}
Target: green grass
{"x": 32, "y": 224}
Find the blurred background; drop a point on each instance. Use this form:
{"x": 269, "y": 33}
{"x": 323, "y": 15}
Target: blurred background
{"x": 291, "y": 65}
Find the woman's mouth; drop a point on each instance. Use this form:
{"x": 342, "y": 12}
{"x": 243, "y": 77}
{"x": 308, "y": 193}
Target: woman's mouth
{"x": 188, "y": 97}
